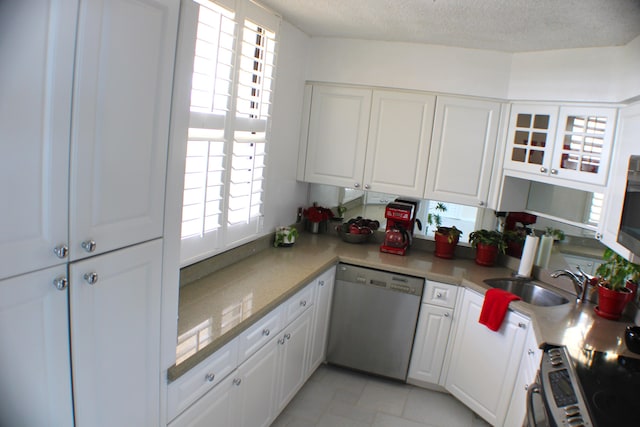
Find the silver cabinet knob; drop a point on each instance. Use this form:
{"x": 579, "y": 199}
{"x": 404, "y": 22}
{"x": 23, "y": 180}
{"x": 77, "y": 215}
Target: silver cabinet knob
{"x": 481, "y": 203}
{"x": 281, "y": 341}
{"x": 446, "y": 315}
{"x": 356, "y": 185}
{"x": 60, "y": 283}
{"x": 439, "y": 295}
{"x": 321, "y": 283}
{"x": 237, "y": 381}
{"x": 266, "y": 332}
{"x": 543, "y": 170}
{"x": 61, "y": 251}
{"x": 554, "y": 171}
{"x": 89, "y": 245}
{"x": 367, "y": 186}
{"x": 530, "y": 352}
{"x": 522, "y": 325}
{"x": 303, "y": 303}
{"x": 210, "y": 376}
{"x": 91, "y": 278}
{"x": 287, "y": 336}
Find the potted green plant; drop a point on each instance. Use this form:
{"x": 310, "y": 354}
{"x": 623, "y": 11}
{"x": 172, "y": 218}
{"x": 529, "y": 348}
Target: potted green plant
{"x": 285, "y": 236}
{"x": 488, "y": 244}
{"x": 514, "y": 240}
{"x": 446, "y": 238}
{"x": 617, "y": 284}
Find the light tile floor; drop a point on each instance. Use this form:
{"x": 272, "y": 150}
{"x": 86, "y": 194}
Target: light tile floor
{"x": 335, "y": 397}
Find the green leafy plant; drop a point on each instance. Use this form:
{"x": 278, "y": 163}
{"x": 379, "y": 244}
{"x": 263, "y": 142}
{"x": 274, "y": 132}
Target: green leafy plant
{"x": 488, "y": 237}
{"x": 556, "y": 233}
{"x": 285, "y": 235}
{"x": 435, "y": 220}
{"x": 615, "y": 271}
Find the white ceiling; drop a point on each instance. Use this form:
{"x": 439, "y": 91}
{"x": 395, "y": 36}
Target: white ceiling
{"x": 503, "y": 25}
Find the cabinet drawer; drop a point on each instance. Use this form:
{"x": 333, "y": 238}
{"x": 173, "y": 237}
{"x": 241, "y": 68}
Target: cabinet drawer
{"x": 188, "y": 388}
{"x": 262, "y": 331}
{"x": 440, "y": 294}
{"x": 298, "y": 303}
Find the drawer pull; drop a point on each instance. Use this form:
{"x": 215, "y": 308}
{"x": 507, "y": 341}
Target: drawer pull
{"x": 530, "y": 352}
{"x": 210, "y": 377}
{"x": 522, "y": 325}
{"x": 237, "y": 381}
{"x": 281, "y": 341}
{"x": 266, "y": 332}
{"x": 287, "y": 336}
{"x": 303, "y": 303}
{"x": 439, "y": 295}
{"x": 321, "y": 283}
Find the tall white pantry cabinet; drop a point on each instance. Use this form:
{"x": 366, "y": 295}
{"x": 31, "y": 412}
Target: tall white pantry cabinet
{"x": 84, "y": 124}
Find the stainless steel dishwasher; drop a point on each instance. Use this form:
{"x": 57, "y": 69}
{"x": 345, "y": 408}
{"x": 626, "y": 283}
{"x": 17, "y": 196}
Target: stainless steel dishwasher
{"x": 373, "y": 320}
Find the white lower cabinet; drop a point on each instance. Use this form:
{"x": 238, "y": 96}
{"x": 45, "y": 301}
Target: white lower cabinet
{"x": 35, "y": 373}
{"x": 484, "y": 364}
{"x": 320, "y": 325}
{"x": 529, "y": 364}
{"x": 432, "y": 334}
{"x": 268, "y": 376}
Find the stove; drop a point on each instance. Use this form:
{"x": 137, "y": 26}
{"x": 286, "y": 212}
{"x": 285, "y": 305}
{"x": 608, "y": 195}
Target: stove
{"x": 586, "y": 387}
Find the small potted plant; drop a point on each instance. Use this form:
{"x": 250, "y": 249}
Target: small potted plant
{"x": 285, "y": 236}
{"x": 488, "y": 244}
{"x": 446, "y": 238}
{"x": 316, "y": 215}
{"x": 514, "y": 240}
{"x": 617, "y": 283}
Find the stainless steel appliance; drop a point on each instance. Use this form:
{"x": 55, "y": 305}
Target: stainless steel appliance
{"x": 629, "y": 233}
{"x": 373, "y": 320}
{"x": 585, "y": 387}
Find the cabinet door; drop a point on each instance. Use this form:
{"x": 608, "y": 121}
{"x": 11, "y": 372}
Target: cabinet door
{"x": 626, "y": 145}
{"x": 35, "y": 374}
{"x": 398, "y": 145}
{"x": 532, "y": 129}
{"x": 115, "y": 337}
{"x": 35, "y": 83}
{"x": 122, "y": 95}
{"x": 484, "y": 363}
{"x": 432, "y": 335}
{"x": 294, "y": 344}
{"x": 337, "y": 138}
{"x": 216, "y": 408}
{"x": 321, "y": 313}
{"x": 462, "y": 150}
{"x": 583, "y": 144}
{"x": 257, "y": 387}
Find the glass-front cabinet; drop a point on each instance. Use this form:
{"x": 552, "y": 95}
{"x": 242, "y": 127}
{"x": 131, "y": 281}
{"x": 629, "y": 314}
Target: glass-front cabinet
{"x": 567, "y": 142}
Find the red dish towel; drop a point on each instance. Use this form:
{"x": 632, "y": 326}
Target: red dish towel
{"x": 494, "y": 308}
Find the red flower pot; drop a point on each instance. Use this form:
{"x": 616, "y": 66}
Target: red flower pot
{"x": 611, "y": 303}
{"x": 444, "y": 249}
{"x": 486, "y": 254}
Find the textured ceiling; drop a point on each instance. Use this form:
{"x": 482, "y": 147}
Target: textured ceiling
{"x": 503, "y": 25}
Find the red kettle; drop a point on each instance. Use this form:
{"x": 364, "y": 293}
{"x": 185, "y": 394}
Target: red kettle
{"x": 396, "y": 237}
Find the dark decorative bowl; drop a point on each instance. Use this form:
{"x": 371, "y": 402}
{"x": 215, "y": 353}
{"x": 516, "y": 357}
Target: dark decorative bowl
{"x": 632, "y": 338}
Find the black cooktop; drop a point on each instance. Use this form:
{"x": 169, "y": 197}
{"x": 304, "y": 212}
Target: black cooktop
{"x": 611, "y": 386}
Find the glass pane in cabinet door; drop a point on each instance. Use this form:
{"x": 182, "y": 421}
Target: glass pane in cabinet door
{"x": 541, "y": 121}
{"x": 523, "y": 121}
{"x": 573, "y": 142}
{"x": 519, "y": 155}
{"x": 590, "y": 164}
{"x": 536, "y": 157}
{"x": 593, "y": 145}
{"x": 539, "y": 139}
{"x": 569, "y": 161}
{"x": 521, "y": 138}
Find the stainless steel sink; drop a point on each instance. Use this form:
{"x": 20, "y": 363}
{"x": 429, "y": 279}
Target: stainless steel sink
{"x": 528, "y": 291}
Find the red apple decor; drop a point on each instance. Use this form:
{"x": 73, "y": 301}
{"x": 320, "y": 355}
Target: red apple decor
{"x": 357, "y": 230}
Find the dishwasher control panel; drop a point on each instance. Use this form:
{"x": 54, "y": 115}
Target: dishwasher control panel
{"x": 382, "y": 279}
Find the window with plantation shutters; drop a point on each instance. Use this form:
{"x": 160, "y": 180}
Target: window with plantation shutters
{"x": 231, "y": 91}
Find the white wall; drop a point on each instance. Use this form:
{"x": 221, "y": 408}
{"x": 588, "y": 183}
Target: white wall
{"x": 608, "y": 74}
{"x": 283, "y": 194}
{"x": 409, "y": 66}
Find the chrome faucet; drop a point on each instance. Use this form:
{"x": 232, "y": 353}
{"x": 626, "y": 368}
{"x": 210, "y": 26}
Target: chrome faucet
{"x": 581, "y": 281}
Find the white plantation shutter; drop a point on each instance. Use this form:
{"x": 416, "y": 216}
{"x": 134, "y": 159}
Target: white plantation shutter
{"x": 231, "y": 92}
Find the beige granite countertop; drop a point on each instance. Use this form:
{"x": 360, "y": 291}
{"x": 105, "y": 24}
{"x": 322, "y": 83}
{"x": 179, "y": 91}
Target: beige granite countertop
{"x": 216, "y": 308}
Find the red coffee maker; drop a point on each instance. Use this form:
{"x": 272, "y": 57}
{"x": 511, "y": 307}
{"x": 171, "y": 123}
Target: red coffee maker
{"x": 401, "y": 218}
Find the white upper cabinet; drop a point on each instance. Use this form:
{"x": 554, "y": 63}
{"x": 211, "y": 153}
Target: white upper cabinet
{"x": 337, "y": 135}
{"x": 122, "y": 94}
{"x": 561, "y": 143}
{"x": 368, "y": 139}
{"x": 35, "y": 82}
{"x": 462, "y": 150}
{"x": 398, "y": 146}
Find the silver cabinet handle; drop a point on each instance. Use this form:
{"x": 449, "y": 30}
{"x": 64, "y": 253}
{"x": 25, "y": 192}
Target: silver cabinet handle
{"x": 266, "y": 332}
{"x": 543, "y": 170}
{"x": 366, "y": 186}
{"x": 287, "y": 336}
{"x": 89, "y": 245}
{"x": 522, "y": 325}
{"x": 356, "y": 185}
{"x": 554, "y": 171}
{"x": 237, "y": 381}
{"x": 61, "y": 251}
{"x": 281, "y": 341}
{"x": 303, "y": 303}
{"x": 60, "y": 283}
{"x": 321, "y": 283}
{"x": 446, "y": 315}
{"x": 91, "y": 278}
{"x": 530, "y": 352}
{"x": 481, "y": 203}
{"x": 210, "y": 376}
{"x": 439, "y": 295}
